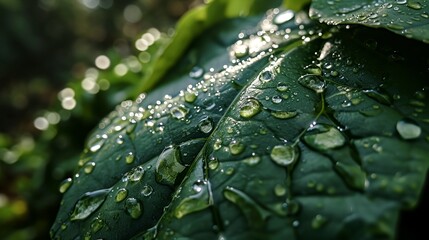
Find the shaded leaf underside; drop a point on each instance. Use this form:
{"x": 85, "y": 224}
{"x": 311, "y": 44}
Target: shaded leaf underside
{"x": 308, "y": 133}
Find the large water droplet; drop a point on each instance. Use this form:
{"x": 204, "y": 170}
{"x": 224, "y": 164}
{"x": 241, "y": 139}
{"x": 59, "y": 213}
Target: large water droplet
{"x": 283, "y": 17}
{"x": 121, "y": 195}
{"x": 133, "y": 207}
{"x": 284, "y": 114}
{"x": 250, "y": 108}
{"x": 323, "y": 137}
{"x": 65, "y": 185}
{"x": 197, "y": 202}
{"x": 236, "y": 147}
{"x": 196, "y": 72}
{"x": 168, "y": 166}
{"x": 284, "y": 155}
{"x": 266, "y": 76}
{"x": 206, "y": 125}
{"x": 179, "y": 112}
{"x": 89, "y": 167}
{"x": 147, "y": 190}
{"x": 414, "y": 5}
{"x": 318, "y": 221}
{"x": 136, "y": 174}
{"x": 408, "y": 129}
{"x": 88, "y": 203}
{"x": 313, "y": 82}
{"x": 254, "y": 213}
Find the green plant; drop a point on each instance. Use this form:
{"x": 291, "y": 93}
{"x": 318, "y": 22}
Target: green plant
{"x": 285, "y": 128}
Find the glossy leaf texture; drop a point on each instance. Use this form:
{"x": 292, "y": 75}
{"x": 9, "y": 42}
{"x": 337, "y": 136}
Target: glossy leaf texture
{"x": 283, "y": 129}
{"x": 409, "y": 18}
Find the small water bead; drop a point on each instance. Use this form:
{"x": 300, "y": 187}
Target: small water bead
{"x": 89, "y": 167}
{"x": 276, "y": 99}
{"x": 206, "y": 125}
{"x": 266, "y": 76}
{"x": 65, "y": 185}
{"x": 279, "y": 190}
{"x": 97, "y": 224}
{"x": 229, "y": 171}
{"x": 291, "y": 207}
{"x": 213, "y": 163}
{"x": 179, "y": 112}
{"x": 250, "y": 108}
{"x": 190, "y": 96}
{"x": 196, "y": 72}
{"x": 199, "y": 185}
{"x": 147, "y": 190}
{"x": 136, "y": 174}
{"x": 313, "y": 82}
{"x": 284, "y": 114}
{"x": 133, "y": 208}
{"x": 318, "y": 221}
{"x": 401, "y": 1}
{"x": 324, "y": 137}
{"x": 236, "y": 147}
{"x": 282, "y": 87}
{"x": 284, "y": 155}
{"x": 217, "y": 144}
{"x": 314, "y": 69}
{"x": 408, "y": 130}
{"x": 129, "y": 158}
{"x": 252, "y": 161}
{"x": 88, "y": 204}
{"x": 121, "y": 195}
{"x": 120, "y": 140}
{"x": 283, "y": 17}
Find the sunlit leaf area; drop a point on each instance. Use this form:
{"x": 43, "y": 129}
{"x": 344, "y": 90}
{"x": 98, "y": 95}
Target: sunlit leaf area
{"x": 63, "y": 66}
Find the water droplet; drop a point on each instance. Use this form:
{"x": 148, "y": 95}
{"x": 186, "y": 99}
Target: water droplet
{"x": 89, "y": 167}
{"x": 217, "y": 144}
{"x": 129, "y": 158}
{"x": 190, "y": 96}
{"x": 179, "y": 112}
{"x": 206, "y": 125}
{"x": 240, "y": 49}
{"x": 65, "y": 185}
{"x": 283, "y": 114}
{"x": 197, "y": 202}
{"x": 408, "y": 129}
{"x": 196, "y": 72}
{"x": 276, "y": 99}
{"x": 136, "y": 174}
{"x": 147, "y": 190}
{"x": 133, "y": 207}
{"x": 266, "y": 76}
{"x": 97, "y": 224}
{"x": 168, "y": 166}
{"x": 236, "y": 147}
{"x": 120, "y": 140}
{"x": 250, "y": 108}
{"x": 314, "y": 70}
{"x": 229, "y": 171}
{"x": 323, "y": 137}
{"x": 282, "y": 87}
{"x": 291, "y": 207}
{"x": 213, "y": 163}
{"x": 401, "y": 1}
{"x": 283, "y": 17}
{"x": 379, "y": 96}
{"x": 88, "y": 204}
{"x": 284, "y": 155}
{"x": 393, "y": 26}
{"x": 253, "y": 160}
{"x": 121, "y": 195}
{"x": 318, "y": 221}
{"x": 279, "y": 190}
{"x": 254, "y": 213}
{"x": 313, "y": 82}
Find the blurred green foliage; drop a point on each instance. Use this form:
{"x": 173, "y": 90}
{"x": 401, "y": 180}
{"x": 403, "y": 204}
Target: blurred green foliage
{"x": 64, "y": 65}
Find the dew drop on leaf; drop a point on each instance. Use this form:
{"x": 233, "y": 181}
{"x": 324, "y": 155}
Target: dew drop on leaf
{"x": 133, "y": 207}
{"x": 196, "y": 72}
{"x": 236, "y": 147}
{"x": 266, "y": 76}
{"x": 408, "y": 130}
{"x": 250, "y": 108}
{"x": 179, "y": 112}
{"x": 190, "y": 96}
{"x": 284, "y": 155}
{"x": 283, "y": 114}
{"x": 168, "y": 166}
{"x": 129, "y": 158}
{"x": 89, "y": 167}
{"x": 283, "y": 17}
{"x": 65, "y": 185}
{"x": 414, "y": 5}
{"x": 279, "y": 190}
{"x": 121, "y": 195}
{"x": 88, "y": 203}
{"x": 379, "y": 96}
{"x": 282, "y": 87}
{"x": 276, "y": 99}
{"x": 136, "y": 174}
{"x": 324, "y": 137}
{"x": 197, "y": 202}
{"x": 213, "y": 163}
{"x": 253, "y": 160}
{"x": 313, "y": 82}
{"x": 97, "y": 224}
{"x": 147, "y": 190}
{"x": 206, "y": 125}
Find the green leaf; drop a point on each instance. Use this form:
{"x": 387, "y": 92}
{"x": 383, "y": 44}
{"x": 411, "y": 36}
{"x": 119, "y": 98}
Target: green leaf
{"x": 282, "y": 129}
{"x": 409, "y": 18}
{"x": 190, "y": 26}
{"x": 295, "y": 5}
